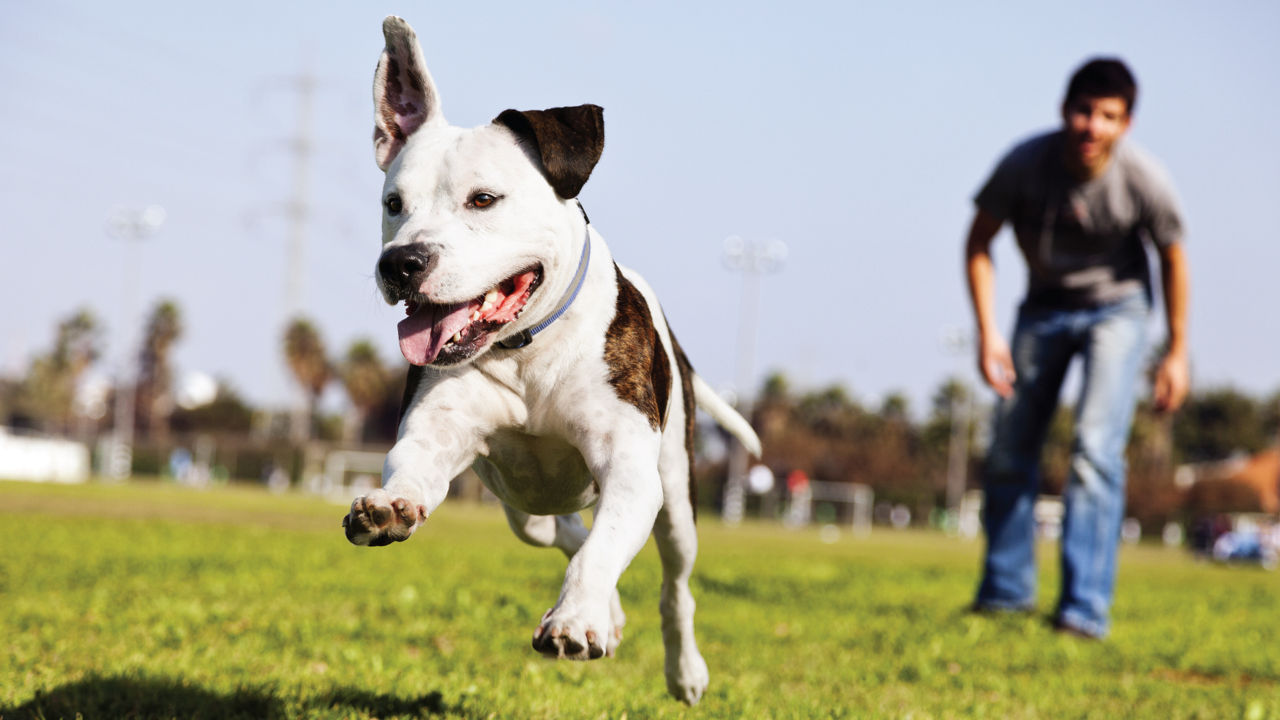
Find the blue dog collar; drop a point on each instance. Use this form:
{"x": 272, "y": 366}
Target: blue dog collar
{"x": 524, "y": 337}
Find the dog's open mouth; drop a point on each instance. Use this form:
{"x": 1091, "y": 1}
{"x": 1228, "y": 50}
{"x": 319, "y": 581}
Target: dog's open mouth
{"x": 447, "y": 334}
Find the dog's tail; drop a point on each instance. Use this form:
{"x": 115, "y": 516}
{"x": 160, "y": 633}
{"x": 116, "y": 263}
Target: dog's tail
{"x": 722, "y": 412}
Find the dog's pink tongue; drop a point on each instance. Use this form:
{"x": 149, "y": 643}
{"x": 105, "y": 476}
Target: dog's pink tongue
{"x": 423, "y": 333}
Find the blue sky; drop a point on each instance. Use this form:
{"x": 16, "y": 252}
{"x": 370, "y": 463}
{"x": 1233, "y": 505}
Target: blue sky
{"x": 856, "y": 133}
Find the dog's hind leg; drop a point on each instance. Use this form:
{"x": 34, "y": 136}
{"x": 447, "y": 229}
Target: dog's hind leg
{"x": 677, "y": 540}
{"x": 566, "y": 532}
{"x": 677, "y": 537}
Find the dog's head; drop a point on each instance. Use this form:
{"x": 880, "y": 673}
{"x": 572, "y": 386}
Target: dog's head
{"x": 474, "y": 221}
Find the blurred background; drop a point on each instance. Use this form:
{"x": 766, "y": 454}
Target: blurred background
{"x": 190, "y": 225}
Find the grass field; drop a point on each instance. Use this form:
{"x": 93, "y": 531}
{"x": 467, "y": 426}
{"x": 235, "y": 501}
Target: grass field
{"x": 150, "y": 601}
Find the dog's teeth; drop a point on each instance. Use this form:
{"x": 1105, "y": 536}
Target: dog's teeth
{"x": 475, "y": 314}
{"x": 457, "y": 337}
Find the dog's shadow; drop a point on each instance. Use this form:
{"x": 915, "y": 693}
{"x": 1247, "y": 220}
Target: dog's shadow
{"x": 161, "y": 697}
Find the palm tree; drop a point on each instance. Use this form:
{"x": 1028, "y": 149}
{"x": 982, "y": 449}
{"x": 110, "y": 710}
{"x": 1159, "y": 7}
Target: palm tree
{"x": 155, "y": 373}
{"x": 365, "y": 380}
{"x": 304, "y": 351}
{"x": 48, "y": 392}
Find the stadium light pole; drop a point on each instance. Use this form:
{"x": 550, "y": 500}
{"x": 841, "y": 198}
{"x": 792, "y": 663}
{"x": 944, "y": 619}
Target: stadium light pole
{"x": 132, "y": 227}
{"x": 752, "y": 259}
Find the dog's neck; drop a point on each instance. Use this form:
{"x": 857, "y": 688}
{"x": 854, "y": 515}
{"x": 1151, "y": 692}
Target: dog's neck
{"x": 524, "y": 337}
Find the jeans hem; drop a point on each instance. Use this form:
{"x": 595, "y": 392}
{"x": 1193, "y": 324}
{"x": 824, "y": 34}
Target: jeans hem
{"x": 1074, "y": 622}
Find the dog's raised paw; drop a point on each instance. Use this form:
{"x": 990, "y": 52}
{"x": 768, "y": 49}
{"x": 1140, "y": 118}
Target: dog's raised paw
{"x": 379, "y": 519}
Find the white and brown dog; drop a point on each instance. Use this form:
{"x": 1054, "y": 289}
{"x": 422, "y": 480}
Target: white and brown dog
{"x": 536, "y": 360}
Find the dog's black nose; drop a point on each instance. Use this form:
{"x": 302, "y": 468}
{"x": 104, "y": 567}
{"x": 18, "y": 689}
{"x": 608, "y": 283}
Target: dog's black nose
{"x": 401, "y": 266}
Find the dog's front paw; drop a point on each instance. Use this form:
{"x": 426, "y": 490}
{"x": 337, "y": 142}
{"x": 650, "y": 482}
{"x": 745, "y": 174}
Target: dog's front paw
{"x": 573, "y": 635}
{"x": 379, "y": 519}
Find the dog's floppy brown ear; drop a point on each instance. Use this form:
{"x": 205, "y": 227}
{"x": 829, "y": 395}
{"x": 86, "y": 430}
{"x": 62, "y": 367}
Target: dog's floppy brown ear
{"x": 568, "y": 139}
{"x": 404, "y": 97}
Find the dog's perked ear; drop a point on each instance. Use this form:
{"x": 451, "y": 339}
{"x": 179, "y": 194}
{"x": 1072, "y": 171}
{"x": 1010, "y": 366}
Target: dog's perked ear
{"x": 404, "y": 96}
{"x": 568, "y": 139}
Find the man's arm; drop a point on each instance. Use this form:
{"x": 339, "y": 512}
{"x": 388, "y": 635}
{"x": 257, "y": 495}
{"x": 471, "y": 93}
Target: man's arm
{"x": 1173, "y": 377}
{"x": 994, "y": 359}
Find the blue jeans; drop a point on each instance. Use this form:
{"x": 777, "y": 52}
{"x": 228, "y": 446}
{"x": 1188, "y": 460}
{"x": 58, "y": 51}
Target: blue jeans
{"x": 1111, "y": 341}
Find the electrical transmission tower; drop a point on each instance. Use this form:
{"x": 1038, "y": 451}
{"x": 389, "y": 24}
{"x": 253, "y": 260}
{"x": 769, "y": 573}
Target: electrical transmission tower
{"x": 302, "y": 146}
{"x": 297, "y": 210}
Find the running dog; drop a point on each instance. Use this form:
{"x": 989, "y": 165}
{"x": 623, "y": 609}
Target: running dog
{"x": 535, "y": 359}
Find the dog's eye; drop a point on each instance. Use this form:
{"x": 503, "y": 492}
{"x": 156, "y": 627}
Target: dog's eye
{"x": 482, "y": 200}
{"x": 393, "y": 204}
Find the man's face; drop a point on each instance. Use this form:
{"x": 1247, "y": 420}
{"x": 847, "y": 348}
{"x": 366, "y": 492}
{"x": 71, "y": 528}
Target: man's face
{"x": 1093, "y": 125}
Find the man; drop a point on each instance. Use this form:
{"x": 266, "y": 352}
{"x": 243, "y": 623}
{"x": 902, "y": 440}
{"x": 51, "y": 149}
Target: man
{"x": 1082, "y": 204}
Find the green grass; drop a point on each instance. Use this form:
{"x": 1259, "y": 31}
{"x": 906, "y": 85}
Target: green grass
{"x": 151, "y": 601}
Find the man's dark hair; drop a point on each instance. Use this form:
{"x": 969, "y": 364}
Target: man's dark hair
{"x": 1104, "y": 77}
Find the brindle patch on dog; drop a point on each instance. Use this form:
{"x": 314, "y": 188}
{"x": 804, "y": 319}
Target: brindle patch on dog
{"x": 638, "y": 367}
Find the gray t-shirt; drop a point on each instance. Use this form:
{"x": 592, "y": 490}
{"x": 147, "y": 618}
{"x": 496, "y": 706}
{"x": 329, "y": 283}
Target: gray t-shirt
{"x": 1083, "y": 241}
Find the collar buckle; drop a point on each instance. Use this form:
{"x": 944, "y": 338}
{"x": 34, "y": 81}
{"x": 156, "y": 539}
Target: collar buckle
{"x": 517, "y": 341}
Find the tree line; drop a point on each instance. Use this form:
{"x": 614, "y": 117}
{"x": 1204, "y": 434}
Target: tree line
{"x": 832, "y": 436}
{"x": 827, "y": 432}
{"x": 54, "y": 396}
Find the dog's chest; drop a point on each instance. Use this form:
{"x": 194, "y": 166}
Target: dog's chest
{"x": 538, "y": 475}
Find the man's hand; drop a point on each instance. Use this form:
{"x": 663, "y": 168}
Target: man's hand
{"x": 1171, "y": 383}
{"x": 996, "y": 363}
{"x": 1172, "y": 376}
